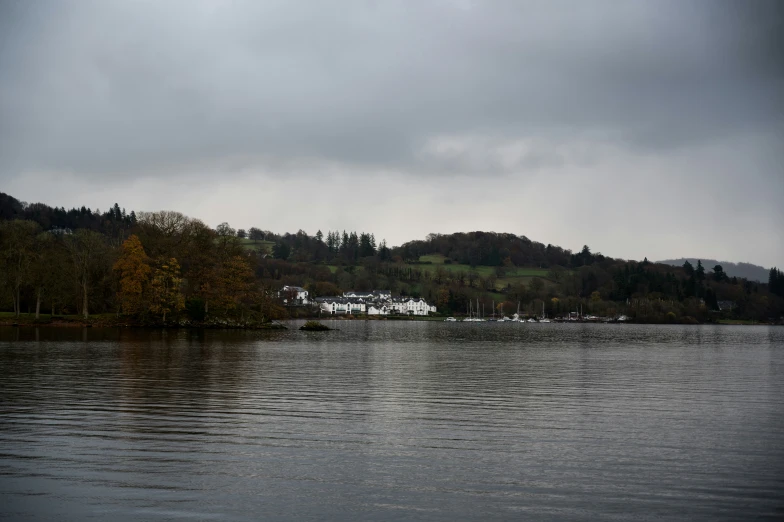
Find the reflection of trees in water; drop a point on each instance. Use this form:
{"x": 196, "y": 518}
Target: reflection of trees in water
{"x": 171, "y": 378}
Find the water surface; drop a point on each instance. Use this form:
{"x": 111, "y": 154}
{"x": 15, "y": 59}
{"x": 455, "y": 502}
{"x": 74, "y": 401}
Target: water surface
{"x": 393, "y": 420}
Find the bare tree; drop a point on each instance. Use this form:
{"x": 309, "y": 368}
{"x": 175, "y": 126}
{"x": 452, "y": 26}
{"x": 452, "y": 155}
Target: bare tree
{"x": 18, "y": 239}
{"x": 87, "y": 249}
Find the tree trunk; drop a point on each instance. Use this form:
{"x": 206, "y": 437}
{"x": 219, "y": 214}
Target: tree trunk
{"x": 84, "y": 303}
{"x": 164, "y": 317}
{"x": 38, "y": 304}
{"x": 18, "y": 302}
{"x": 206, "y": 307}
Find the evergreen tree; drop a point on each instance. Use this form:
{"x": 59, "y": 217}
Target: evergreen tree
{"x": 776, "y": 282}
{"x": 281, "y": 250}
{"x": 344, "y": 243}
{"x": 699, "y": 273}
{"x": 718, "y": 274}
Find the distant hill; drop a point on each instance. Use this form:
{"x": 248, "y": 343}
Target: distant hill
{"x": 747, "y": 270}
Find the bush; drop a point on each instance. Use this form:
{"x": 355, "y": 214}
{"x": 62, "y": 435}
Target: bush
{"x": 314, "y": 326}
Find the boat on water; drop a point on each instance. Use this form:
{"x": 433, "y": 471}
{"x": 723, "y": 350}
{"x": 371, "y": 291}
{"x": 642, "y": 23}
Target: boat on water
{"x": 544, "y": 318}
{"x": 474, "y": 317}
{"x": 450, "y": 320}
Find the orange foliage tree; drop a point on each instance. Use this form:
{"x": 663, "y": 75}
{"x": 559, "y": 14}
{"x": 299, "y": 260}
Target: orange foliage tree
{"x": 237, "y": 283}
{"x": 165, "y": 295}
{"x": 134, "y": 270}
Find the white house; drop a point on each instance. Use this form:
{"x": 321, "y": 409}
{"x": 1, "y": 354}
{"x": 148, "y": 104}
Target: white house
{"x": 341, "y": 305}
{"x": 411, "y": 306}
{"x": 296, "y": 294}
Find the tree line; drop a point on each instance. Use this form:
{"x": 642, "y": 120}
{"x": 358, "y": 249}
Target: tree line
{"x": 164, "y": 266}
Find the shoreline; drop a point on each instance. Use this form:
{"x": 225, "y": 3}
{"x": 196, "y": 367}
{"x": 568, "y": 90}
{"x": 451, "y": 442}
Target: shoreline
{"x": 120, "y": 322}
{"x": 124, "y": 322}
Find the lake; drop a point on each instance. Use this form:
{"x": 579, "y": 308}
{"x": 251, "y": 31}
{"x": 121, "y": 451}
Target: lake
{"x": 390, "y": 420}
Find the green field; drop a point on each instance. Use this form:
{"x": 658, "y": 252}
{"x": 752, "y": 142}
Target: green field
{"x": 511, "y": 276}
{"x": 262, "y": 246}
{"x": 484, "y": 271}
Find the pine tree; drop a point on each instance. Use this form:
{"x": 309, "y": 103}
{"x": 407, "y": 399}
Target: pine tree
{"x": 776, "y": 282}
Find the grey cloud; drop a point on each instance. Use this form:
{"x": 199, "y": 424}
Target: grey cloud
{"x": 640, "y": 127}
{"x": 110, "y": 86}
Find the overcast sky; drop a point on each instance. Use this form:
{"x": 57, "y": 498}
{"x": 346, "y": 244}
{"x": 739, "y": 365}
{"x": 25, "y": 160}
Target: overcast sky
{"x": 649, "y": 128}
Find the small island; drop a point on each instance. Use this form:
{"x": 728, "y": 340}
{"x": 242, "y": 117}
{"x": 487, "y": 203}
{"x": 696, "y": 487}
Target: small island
{"x": 314, "y": 326}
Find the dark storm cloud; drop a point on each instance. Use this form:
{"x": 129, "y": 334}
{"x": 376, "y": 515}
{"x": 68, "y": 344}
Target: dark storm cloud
{"x": 111, "y": 86}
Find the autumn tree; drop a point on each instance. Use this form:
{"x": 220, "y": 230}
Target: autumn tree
{"x": 165, "y": 295}
{"x": 236, "y": 283}
{"x": 134, "y": 270}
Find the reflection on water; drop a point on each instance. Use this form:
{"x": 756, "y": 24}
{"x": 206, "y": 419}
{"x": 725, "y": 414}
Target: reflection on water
{"x": 393, "y": 420}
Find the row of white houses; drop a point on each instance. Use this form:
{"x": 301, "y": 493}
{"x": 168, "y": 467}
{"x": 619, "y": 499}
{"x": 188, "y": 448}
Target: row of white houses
{"x": 375, "y": 302}
{"x": 360, "y": 306}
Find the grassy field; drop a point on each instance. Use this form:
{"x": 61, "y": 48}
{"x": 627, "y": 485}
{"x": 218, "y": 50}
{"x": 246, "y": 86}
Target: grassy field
{"x": 511, "y": 276}
{"x": 484, "y": 271}
{"x": 262, "y": 246}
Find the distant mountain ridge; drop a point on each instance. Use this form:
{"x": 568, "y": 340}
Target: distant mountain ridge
{"x": 746, "y": 270}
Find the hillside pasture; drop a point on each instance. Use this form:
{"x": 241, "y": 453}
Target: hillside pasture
{"x": 510, "y": 276}
{"x": 434, "y": 261}
{"x": 261, "y": 246}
